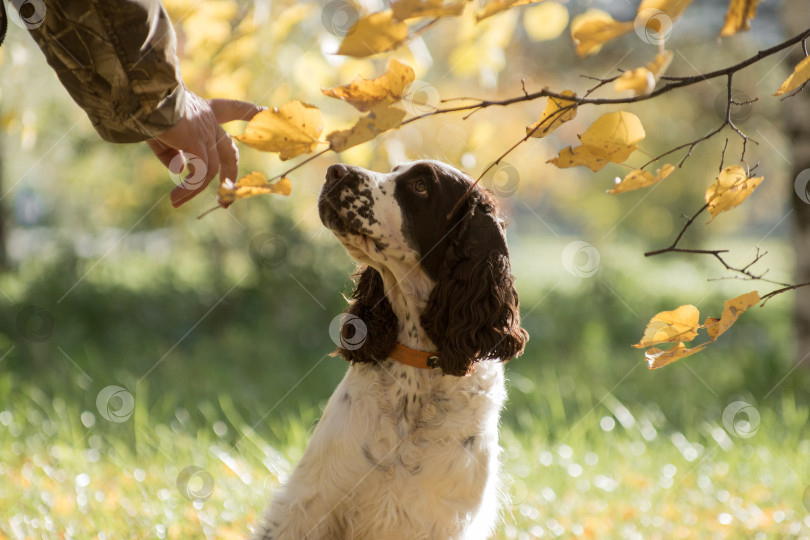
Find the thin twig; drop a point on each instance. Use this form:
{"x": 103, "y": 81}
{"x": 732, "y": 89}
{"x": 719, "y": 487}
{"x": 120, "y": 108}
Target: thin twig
{"x": 793, "y": 93}
{"x": 217, "y": 207}
{"x": 783, "y": 289}
{"x": 674, "y": 245}
{"x": 727, "y": 121}
{"x": 276, "y": 177}
{"x": 552, "y": 118}
{"x": 723, "y": 156}
{"x": 691, "y": 145}
{"x": 300, "y": 164}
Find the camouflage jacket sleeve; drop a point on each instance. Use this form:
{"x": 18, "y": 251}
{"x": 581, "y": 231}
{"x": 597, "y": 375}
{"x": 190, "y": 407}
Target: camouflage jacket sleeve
{"x": 117, "y": 60}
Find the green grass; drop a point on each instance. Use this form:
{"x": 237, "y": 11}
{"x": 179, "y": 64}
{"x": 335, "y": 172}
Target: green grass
{"x": 596, "y": 446}
{"x": 614, "y": 472}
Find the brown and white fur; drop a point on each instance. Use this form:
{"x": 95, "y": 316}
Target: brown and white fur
{"x": 403, "y": 452}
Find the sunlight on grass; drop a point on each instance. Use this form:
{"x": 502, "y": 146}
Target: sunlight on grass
{"x": 614, "y": 473}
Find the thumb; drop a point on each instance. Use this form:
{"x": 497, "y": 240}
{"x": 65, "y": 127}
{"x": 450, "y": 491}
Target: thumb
{"x": 227, "y": 110}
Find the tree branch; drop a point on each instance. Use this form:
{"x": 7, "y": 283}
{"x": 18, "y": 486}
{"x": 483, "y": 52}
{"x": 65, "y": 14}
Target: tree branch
{"x": 672, "y": 83}
{"x": 675, "y": 82}
{"x": 743, "y": 272}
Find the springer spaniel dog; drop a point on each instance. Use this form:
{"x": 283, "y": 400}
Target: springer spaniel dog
{"x": 407, "y": 448}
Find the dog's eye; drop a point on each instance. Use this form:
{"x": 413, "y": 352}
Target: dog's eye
{"x": 420, "y": 187}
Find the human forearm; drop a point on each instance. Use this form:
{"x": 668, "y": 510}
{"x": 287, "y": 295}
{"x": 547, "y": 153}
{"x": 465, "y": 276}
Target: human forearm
{"x": 117, "y": 60}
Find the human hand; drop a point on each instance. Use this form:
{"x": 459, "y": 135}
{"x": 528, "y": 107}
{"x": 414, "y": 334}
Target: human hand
{"x": 198, "y": 141}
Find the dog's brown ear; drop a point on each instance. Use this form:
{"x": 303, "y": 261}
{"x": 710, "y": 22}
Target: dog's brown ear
{"x": 368, "y": 330}
{"x": 473, "y": 311}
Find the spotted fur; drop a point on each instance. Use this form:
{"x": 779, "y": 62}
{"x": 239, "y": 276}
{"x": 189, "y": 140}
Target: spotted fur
{"x": 402, "y": 452}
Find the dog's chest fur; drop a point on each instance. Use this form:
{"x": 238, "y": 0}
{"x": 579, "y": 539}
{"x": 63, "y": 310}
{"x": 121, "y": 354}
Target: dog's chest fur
{"x": 410, "y": 443}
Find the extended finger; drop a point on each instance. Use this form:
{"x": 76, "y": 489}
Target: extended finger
{"x": 228, "y": 158}
{"x": 227, "y": 110}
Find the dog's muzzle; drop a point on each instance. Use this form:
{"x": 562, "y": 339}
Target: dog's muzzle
{"x": 333, "y": 207}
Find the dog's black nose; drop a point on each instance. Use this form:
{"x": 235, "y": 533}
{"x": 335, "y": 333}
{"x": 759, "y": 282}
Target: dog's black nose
{"x": 336, "y": 172}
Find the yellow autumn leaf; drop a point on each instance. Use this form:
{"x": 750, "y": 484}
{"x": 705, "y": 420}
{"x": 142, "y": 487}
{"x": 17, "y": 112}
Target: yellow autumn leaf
{"x": 553, "y": 117}
{"x": 614, "y": 133}
{"x": 546, "y": 21}
{"x": 731, "y": 311}
{"x": 640, "y": 179}
{"x": 672, "y": 8}
{"x": 799, "y": 77}
{"x": 594, "y": 28}
{"x": 367, "y": 94}
{"x": 657, "y": 358}
{"x": 660, "y": 63}
{"x": 251, "y": 185}
{"x": 642, "y": 80}
{"x": 671, "y": 327}
{"x": 579, "y": 156}
{"x": 738, "y": 16}
{"x": 639, "y": 81}
{"x": 681, "y": 325}
{"x": 493, "y": 7}
{"x": 367, "y": 127}
{"x": 730, "y": 189}
{"x": 612, "y": 138}
{"x": 655, "y": 18}
{"x": 290, "y": 130}
{"x": 372, "y": 34}
{"x": 411, "y": 9}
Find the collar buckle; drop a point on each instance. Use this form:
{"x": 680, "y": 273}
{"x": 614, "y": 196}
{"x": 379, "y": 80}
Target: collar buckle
{"x": 412, "y": 357}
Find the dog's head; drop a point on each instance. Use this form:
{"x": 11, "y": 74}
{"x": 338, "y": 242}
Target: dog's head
{"x": 425, "y": 222}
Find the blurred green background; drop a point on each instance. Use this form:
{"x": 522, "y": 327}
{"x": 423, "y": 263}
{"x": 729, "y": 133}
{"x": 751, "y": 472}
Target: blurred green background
{"x": 218, "y": 327}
